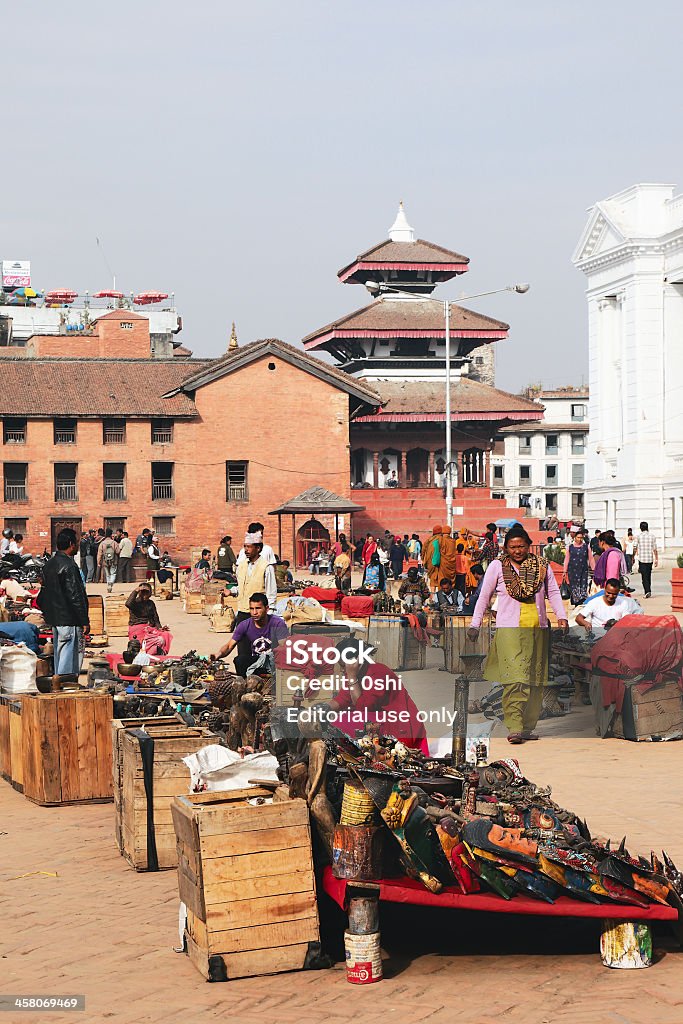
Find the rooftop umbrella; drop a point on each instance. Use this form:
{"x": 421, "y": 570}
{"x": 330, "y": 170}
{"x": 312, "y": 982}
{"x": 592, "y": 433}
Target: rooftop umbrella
{"x": 145, "y": 298}
{"x": 108, "y": 294}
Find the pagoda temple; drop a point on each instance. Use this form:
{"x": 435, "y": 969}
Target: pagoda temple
{"x": 398, "y": 343}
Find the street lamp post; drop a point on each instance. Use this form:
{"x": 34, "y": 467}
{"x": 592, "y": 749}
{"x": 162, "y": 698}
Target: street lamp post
{"x": 379, "y": 288}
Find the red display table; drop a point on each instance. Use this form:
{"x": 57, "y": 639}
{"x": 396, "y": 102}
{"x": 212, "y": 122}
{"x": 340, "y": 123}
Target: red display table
{"x": 405, "y": 890}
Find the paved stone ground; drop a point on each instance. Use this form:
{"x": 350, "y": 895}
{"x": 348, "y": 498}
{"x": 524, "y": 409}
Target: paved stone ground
{"x": 101, "y": 929}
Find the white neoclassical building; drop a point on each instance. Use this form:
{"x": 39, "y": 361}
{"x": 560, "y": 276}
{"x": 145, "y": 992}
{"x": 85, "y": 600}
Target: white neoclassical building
{"x": 631, "y": 252}
{"x": 541, "y": 465}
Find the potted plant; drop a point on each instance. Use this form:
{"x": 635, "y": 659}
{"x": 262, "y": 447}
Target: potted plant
{"x": 677, "y": 584}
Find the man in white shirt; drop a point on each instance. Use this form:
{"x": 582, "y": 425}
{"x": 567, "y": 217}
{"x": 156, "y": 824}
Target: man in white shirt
{"x": 602, "y": 612}
{"x": 266, "y": 550}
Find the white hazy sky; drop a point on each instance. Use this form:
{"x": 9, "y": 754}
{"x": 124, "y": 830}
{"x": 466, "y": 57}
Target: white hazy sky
{"x": 239, "y": 154}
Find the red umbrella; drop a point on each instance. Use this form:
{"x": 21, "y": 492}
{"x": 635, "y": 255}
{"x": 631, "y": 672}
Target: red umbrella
{"x": 145, "y": 298}
{"x": 63, "y": 296}
{"x": 108, "y": 295}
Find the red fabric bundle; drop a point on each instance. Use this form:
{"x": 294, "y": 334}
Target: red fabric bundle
{"x": 328, "y": 597}
{"x": 637, "y": 645}
{"x": 358, "y": 606}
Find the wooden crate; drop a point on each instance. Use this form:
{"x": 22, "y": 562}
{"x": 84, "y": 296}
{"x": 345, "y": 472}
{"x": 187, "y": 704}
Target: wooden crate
{"x": 118, "y": 726}
{"x": 67, "y": 747}
{"x": 245, "y": 874}
{"x": 116, "y": 615}
{"x": 5, "y": 757}
{"x": 457, "y": 643}
{"x": 396, "y": 643}
{"x": 96, "y": 614}
{"x": 170, "y": 778}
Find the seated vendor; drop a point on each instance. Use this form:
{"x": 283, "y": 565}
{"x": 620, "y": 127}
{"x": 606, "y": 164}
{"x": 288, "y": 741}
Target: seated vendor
{"x": 372, "y": 692}
{"x": 413, "y": 591}
{"x": 473, "y": 593}
{"x": 447, "y": 599}
{"x": 600, "y": 613}
{"x": 144, "y": 624}
{"x": 255, "y": 637}
{"x": 283, "y": 578}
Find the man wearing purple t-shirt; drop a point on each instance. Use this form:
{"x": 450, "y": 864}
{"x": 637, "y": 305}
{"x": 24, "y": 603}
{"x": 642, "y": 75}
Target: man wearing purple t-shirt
{"x": 259, "y": 634}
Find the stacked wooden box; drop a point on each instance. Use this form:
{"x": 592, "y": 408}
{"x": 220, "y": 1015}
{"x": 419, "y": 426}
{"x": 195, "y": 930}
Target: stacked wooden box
{"x": 11, "y": 740}
{"x": 116, "y": 615}
{"x": 118, "y": 727}
{"x": 96, "y": 614}
{"x": 170, "y": 777}
{"x": 66, "y": 747}
{"x": 457, "y": 643}
{"x": 245, "y": 874}
{"x": 396, "y": 644}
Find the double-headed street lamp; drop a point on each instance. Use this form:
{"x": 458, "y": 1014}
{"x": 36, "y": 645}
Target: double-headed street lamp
{"x": 379, "y": 288}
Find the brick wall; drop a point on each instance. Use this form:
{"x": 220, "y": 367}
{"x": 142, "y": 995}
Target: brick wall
{"x": 292, "y": 428}
{"x": 115, "y": 336}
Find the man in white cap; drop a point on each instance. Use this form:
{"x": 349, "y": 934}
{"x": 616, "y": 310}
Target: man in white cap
{"x": 254, "y": 576}
{"x": 266, "y": 551}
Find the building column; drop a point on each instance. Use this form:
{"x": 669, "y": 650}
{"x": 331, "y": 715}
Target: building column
{"x": 375, "y": 469}
{"x": 431, "y": 470}
{"x": 402, "y": 473}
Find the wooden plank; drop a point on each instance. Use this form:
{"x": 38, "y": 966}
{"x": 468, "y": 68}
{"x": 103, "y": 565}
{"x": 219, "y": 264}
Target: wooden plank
{"x": 103, "y": 708}
{"x": 191, "y": 895}
{"x": 30, "y": 766}
{"x": 264, "y": 910}
{"x": 197, "y": 929}
{"x": 185, "y": 827}
{"x": 233, "y": 869}
{"x": 166, "y": 789}
{"x": 287, "y": 838}
{"x": 188, "y": 862}
{"x": 5, "y": 759}
{"x": 85, "y": 739}
{"x": 16, "y": 742}
{"x": 285, "y": 933}
{"x": 249, "y": 817}
{"x": 68, "y": 750}
{"x": 250, "y": 964}
{"x": 226, "y": 796}
{"x": 266, "y": 961}
{"x": 267, "y": 885}
{"x": 44, "y": 735}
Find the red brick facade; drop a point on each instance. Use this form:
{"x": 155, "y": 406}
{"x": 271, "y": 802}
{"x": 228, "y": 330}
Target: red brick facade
{"x": 287, "y": 424}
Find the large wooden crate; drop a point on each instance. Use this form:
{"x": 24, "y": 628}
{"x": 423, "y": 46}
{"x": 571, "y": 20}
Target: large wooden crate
{"x": 457, "y": 643}
{"x": 67, "y": 747}
{"x": 245, "y": 874}
{"x": 395, "y": 642}
{"x": 170, "y": 777}
{"x": 116, "y": 615}
{"x": 118, "y": 727}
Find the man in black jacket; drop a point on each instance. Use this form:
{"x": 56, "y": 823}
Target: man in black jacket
{"x": 64, "y": 603}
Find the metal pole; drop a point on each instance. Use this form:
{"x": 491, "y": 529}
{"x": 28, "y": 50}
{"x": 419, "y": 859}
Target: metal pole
{"x": 461, "y": 699}
{"x": 449, "y": 472}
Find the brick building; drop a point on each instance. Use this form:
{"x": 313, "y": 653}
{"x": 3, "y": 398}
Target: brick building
{"x": 97, "y": 433}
